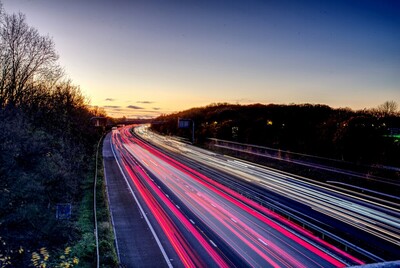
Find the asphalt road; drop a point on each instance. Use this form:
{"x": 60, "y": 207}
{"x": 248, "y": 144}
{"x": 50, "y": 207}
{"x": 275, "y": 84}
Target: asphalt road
{"x": 230, "y": 229}
{"x": 369, "y": 222}
{"x": 136, "y": 244}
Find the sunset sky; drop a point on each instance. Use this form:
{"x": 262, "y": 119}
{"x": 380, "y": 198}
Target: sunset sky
{"x": 144, "y": 58}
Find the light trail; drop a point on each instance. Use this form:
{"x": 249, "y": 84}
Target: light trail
{"x": 180, "y": 244}
{"x": 240, "y": 227}
{"x": 375, "y": 216}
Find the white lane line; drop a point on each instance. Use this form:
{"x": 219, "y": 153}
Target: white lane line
{"x": 262, "y": 241}
{"x": 167, "y": 260}
{"x": 212, "y": 242}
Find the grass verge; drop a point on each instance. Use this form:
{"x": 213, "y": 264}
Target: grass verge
{"x": 85, "y": 247}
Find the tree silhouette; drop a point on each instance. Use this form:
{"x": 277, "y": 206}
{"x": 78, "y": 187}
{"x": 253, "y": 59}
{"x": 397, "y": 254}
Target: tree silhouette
{"x": 46, "y": 140}
{"x": 388, "y": 108}
{"x": 27, "y": 60}
{"x": 359, "y": 136}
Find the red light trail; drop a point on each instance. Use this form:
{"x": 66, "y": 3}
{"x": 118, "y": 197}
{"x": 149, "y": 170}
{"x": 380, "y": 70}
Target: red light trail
{"x": 256, "y": 235}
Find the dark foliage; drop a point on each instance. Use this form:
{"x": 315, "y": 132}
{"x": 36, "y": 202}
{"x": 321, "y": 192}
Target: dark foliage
{"x": 357, "y": 136}
{"x": 46, "y": 142}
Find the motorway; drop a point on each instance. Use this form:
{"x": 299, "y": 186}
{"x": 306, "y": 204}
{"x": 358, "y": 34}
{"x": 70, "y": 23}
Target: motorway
{"x": 209, "y": 224}
{"x": 368, "y": 221}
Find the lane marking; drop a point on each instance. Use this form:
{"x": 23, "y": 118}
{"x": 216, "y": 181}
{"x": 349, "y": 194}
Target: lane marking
{"x": 212, "y": 242}
{"x": 167, "y": 260}
{"x": 262, "y": 241}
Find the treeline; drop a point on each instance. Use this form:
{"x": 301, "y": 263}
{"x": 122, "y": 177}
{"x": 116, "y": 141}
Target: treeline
{"x": 46, "y": 143}
{"x": 357, "y": 136}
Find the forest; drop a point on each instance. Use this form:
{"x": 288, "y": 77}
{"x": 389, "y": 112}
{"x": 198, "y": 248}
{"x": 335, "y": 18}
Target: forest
{"x": 369, "y": 136}
{"x": 46, "y": 149}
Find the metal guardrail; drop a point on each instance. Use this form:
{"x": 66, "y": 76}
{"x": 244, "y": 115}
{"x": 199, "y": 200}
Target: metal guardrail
{"x": 305, "y": 224}
{"x": 314, "y": 227}
{"x": 329, "y": 164}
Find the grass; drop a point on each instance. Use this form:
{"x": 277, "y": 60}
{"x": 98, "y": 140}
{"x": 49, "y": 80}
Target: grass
{"x": 85, "y": 247}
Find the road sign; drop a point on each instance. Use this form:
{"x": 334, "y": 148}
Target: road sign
{"x": 63, "y": 211}
{"x": 98, "y": 121}
{"x": 184, "y": 123}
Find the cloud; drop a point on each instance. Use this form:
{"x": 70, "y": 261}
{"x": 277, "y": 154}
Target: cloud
{"x": 112, "y": 106}
{"x": 151, "y": 111}
{"x": 145, "y": 116}
{"x": 145, "y": 102}
{"x": 243, "y": 100}
{"x": 134, "y": 107}
{"x": 109, "y": 99}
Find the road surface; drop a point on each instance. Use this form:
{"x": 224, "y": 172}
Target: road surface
{"x": 135, "y": 242}
{"x": 370, "y": 222}
{"x": 208, "y": 224}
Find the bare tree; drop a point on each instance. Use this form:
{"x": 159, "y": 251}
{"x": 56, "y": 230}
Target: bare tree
{"x": 26, "y": 60}
{"x": 387, "y": 108}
